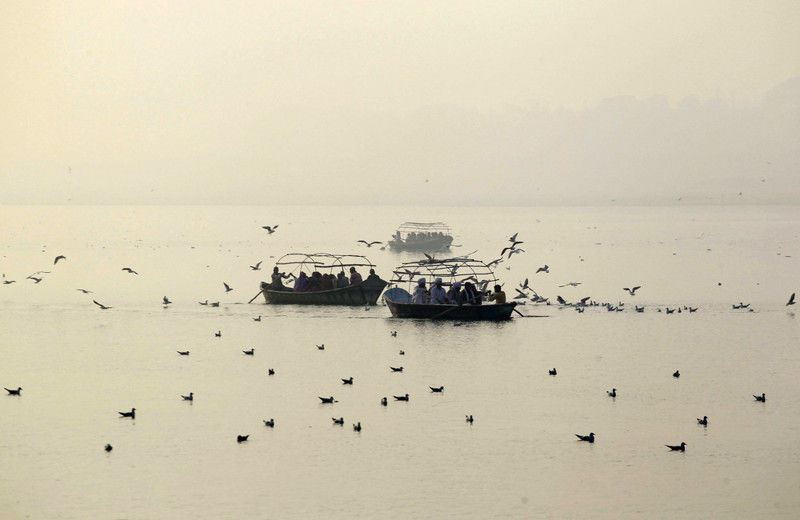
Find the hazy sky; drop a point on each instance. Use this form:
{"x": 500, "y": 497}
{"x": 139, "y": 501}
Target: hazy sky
{"x": 408, "y": 102}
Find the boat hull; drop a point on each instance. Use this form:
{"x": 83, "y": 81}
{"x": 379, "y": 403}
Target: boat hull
{"x": 365, "y": 293}
{"x": 451, "y": 312}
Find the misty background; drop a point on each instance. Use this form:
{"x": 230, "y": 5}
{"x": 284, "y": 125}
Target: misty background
{"x": 358, "y": 103}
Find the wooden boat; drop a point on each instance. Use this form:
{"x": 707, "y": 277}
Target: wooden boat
{"x": 363, "y": 293}
{"x": 421, "y": 236}
{"x": 451, "y": 270}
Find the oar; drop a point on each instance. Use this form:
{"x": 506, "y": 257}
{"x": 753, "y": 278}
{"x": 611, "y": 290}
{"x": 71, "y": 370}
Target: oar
{"x": 256, "y": 296}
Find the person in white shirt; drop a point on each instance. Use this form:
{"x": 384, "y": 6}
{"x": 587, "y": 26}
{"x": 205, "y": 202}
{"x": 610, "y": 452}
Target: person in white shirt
{"x": 438, "y": 294}
{"x": 420, "y": 292}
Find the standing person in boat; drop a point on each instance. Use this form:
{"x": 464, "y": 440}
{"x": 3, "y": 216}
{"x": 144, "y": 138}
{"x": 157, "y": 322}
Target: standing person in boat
{"x": 470, "y": 295}
{"x": 454, "y": 294}
{"x": 438, "y": 294}
{"x": 498, "y": 297}
{"x": 355, "y": 277}
{"x": 342, "y": 280}
{"x": 420, "y": 292}
{"x": 301, "y": 284}
{"x": 277, "y": 280}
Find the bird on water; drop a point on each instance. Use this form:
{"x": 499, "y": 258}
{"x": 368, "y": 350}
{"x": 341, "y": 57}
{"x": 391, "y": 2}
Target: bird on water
{"x": 703, "y": 421}
{"x": 681, "y": 447}
{"x": 11, "y": 391}
{"x": 131, "y": 414}
{"x": 587, "y": 438}
{"x": 761, "y": 398}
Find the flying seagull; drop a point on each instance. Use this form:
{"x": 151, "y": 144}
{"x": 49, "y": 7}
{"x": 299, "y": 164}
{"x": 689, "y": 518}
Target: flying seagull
{"x": 544, "y": 269}
{"x": 633, "y": 290}
{"x": 228, "y": 288}
{"x": 59, "y": 257}
{"x": 370, "y": 244}
{"x": 271, "y": 229}
{"x": 84, "y": 291}
{"x": 129, "y": 270}
{"x": 791, "y": 300}
{"x": 256, "y": 267}
{"x": 104, "y": 307}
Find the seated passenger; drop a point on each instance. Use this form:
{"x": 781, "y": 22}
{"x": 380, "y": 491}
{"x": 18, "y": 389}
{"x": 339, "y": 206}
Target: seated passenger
{"x": 454, "y": 294}
{"x": 498, "y": 297}
{"x": 438, "y": 294}
{"x": 420, "y": 293}
{"x": 373, "y": 277}
{"x": 341, "y": 280}
{"x": 315, "y": 282}
{"x": 301, "y": 284}
{"x": 355, "y": 277}
{"x": 328, "y": 281}
{"x": 471, "y": 295}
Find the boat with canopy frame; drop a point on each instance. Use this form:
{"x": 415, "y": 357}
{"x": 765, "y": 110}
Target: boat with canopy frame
{"x": 451, "y": 270}
{"x": 421, "y": 236}
{"x": 291, "y": 265}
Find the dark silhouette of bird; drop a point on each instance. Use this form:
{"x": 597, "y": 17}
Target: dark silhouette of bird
{"x": 271, "y": 372}
{"x": 348, "y": 381}
{"x": 213, "y": 304}
{"x": 321, "y": 347}
{"x": 370, "y": 244}
{"x": 108, "y": 447}
{"x": 84, "y": 291}
{"x": 131, "y": 414}
{"x": 357, "y": 427}
{"x": 218, "y": 334}
{"x": 401, "y": 397}
{"x": 394, "y": 333}
{"x": 681, "y": 447}
{"x": 561, "y": 300}
{"x": 761, "y": 398}
{"x": 552, "y": 372}
{"x": 183, "y": 352}
{"x": 270, "y": 423}
{"x": 257, "y": 318}
{"x": 270, "y": 229}
{"x": 469, "y": 419}
{"x": 396, "y": 369}
{"x": 512, "y": 247}
{"x": 438, "y": 390}
{"x": 11, "y": 391}
{"x": 791, "y": 300}
{"x": 515, "y": 251}
{"x": 189, "y": 397}
{"x": 587, "y": 438}
{"x": 703, "y": 421}
{"x": 166, "y": 301}
{"x": 35, "y": 280}
{"x": 256, "y": 267}
{"x": 384, "y": 401}
{"x": 402, "y": 352}
{"x": 228, "y": 288}
{"x": 203, "y": 303}
{"x": 104, "y": 307}
{"x": 129, "y": 270}
{"x": 241, "y": 438}
{"x": 59, "y": 257}
{"x": 340, "y": 420}
{"x": 544, "y": 269}
{"x": 676, "y": 374}
{"x": 612, "y": 393}
{"x": 328, "y": 399}
{"x": 250, "y": 352}
{"x": 633, "y": 290}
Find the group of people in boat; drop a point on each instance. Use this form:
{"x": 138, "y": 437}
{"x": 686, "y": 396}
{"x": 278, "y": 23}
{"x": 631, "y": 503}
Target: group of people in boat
{"x": 422, "y": 236}
{"x": 318, "y": 281}
{"x": 456, "y": 295}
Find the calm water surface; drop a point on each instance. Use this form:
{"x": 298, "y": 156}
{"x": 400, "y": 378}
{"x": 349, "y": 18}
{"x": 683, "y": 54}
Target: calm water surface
{"x": 79, "y": 365}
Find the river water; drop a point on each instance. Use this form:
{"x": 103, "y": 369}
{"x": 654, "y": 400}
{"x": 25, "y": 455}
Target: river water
{"x": 79, "y": 366}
